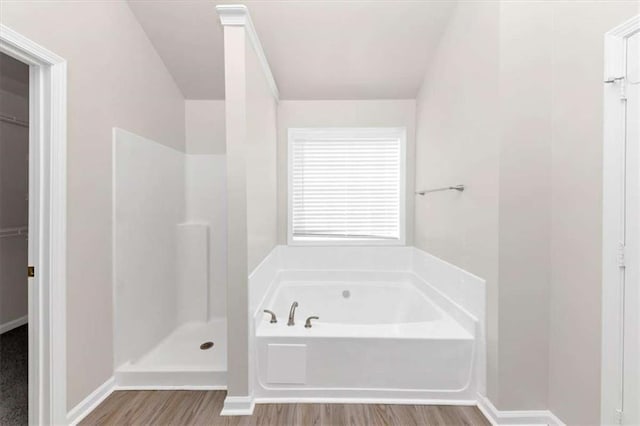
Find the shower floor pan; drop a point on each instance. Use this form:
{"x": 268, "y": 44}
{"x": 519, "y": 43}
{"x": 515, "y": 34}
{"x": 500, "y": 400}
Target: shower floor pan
{"x": 178, "y": 362}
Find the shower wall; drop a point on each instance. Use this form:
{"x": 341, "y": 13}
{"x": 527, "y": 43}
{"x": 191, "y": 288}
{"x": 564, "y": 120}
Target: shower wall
{"x": 206, "y": 203}
{"x": 149, "y": 202}
{"x": 206, "y": 190}
{"x": 169, "y": 241}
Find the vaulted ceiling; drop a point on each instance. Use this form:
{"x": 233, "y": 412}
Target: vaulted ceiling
{"x": 316, "y": 49}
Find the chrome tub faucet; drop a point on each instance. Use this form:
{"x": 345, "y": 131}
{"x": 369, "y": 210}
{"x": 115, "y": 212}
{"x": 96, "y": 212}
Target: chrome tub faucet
{"x": 292, "y": 313}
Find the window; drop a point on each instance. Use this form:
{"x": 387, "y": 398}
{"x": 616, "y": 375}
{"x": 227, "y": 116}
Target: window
{"x": 346, "y": 186}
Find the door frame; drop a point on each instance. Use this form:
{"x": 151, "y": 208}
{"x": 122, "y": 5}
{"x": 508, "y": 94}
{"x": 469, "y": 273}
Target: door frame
{"x": 47, "y": 226}
{"x": 613, "y": 218}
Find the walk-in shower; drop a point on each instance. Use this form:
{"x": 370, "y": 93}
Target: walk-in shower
{"x": 169, "y": 266}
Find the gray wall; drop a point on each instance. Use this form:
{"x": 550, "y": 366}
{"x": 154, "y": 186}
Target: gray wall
{"x": 250, "y": 123}
{"x": 205, "y": 131}
{"x": 551, "y": 57}
{"x": 576, "y": 200}
{"x": 261, "y": 156}
{"x": 14, "y": 187}
{"x": 457, "y": 143}
{"x": 522, "y": 128}
{"x": 115, "y": 79}
{"x": 525, "y": 205}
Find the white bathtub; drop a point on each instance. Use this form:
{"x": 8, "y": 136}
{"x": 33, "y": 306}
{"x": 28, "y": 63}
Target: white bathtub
{"x": 364, "y": 308}
{"x": 382, "y": 336}
{"x": 357, "y": 303}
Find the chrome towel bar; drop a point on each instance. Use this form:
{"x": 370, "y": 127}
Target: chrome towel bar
{"x": 459, "y": 188}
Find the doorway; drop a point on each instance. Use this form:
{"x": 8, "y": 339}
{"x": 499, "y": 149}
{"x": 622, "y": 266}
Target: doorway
{"x": 631, "y": 296}
{"x": 14, "y": 221}
{"x": 45, "y": 268}
{"x": 621, "y": 228}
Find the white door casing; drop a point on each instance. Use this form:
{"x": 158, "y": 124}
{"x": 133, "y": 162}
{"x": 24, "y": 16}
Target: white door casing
{"x": 620, "y": 262}
{"x": 47, "y": 227}
{"x": 631, "y": 314}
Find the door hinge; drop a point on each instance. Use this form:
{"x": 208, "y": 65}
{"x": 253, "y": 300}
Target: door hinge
{"x": 622, "y": 255}
{"x": 619, "y": 416}
{"x": 31, "y": 271}
{"x": 623, "y": 85}
{"x": 623, "y": 89}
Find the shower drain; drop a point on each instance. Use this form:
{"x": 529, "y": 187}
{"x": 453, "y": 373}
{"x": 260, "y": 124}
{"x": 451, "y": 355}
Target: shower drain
{"x": 206, "y": 345}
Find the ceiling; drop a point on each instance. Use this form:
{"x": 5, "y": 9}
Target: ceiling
{"x": 316, "y": 49}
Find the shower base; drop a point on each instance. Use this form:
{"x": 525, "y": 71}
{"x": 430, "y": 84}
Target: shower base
{"x": 177, "y": 362}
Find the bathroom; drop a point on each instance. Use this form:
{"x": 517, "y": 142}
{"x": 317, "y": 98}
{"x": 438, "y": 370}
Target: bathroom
{"x": 360, "y": 211}
{"x": 315, "y": 199}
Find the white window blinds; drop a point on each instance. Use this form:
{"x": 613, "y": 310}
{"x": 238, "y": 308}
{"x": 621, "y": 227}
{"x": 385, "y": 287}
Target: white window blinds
{"x": 346, "y": 185}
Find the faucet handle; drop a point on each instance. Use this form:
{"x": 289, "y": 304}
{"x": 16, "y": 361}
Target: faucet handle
{"x": 307, "y": 323}
{"x": 273, "y": 316}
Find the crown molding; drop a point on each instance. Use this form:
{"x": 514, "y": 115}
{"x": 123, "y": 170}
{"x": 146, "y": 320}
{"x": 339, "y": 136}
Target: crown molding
{"x": 627, "y": 28}
{"x": 615, "y": 47}
{"x": 237, "y": 15}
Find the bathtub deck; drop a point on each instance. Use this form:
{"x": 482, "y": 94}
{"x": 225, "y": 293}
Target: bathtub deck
{"x": 202, "y": 408}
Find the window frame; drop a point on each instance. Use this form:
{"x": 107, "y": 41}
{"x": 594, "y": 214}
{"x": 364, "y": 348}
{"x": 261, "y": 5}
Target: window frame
{"x": 311, "y": 133}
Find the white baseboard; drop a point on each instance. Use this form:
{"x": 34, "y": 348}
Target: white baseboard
{"x": 516, "y": 417}
{"x": 350, "y": 400}
{"x": 87, "y": 405}
{"x": 238, "y": 406}
{"x": 244, "y": 406}
{"x": 10, "y": 325}
{"x": 169, "y": 387}
{"x": 130, "y": 376}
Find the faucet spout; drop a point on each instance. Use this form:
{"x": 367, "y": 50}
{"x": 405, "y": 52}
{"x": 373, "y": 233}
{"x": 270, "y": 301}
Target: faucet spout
{"x": 292, "y": 314}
